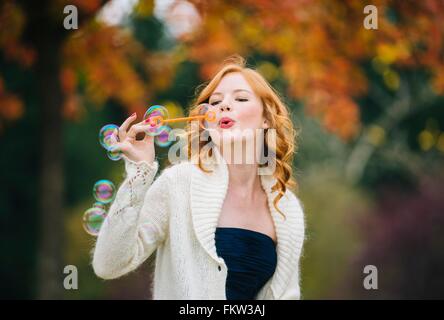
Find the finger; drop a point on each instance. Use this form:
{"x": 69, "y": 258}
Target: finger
{"x": 124, "y": 127}
{"x": 148, "y": 138}
{"x": 124, "y": 147}
{"x": 119, "y": 146}
{"x": 137, "y": 128}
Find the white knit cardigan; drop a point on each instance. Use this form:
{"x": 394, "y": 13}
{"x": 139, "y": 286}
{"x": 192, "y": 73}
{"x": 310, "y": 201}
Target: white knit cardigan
{"x": 177, "y": 215}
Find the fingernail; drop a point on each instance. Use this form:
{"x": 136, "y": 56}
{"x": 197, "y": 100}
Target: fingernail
{"x": 133, "y": 114}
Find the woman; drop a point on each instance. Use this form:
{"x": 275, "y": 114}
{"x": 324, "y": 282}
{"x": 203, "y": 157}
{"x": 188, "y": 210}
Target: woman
{"x": 221, "y": 230}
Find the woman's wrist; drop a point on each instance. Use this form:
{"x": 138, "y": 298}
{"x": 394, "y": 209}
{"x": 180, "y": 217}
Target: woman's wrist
{"x": 133, "y": 167}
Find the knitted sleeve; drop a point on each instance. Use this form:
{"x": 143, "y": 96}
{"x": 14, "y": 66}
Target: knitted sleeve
{"x": 136, "y": 223}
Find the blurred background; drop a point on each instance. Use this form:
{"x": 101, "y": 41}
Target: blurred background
{"x": 368, "y": 105}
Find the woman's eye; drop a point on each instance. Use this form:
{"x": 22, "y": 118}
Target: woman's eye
{"x": 214, "y": 103}
{"x": 242, "y": 99}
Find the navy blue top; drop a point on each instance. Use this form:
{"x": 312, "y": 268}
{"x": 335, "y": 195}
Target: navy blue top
{"x": 251, "y": 260}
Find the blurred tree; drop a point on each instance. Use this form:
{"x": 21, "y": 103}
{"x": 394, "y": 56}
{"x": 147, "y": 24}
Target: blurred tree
{"x": 95, "y": 63}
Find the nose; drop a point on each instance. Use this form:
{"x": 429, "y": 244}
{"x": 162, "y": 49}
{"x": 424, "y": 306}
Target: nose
{"x": 224, "y": 107}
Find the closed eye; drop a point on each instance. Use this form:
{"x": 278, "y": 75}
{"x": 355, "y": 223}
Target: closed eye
{"x": 241, "y": 99}
{"x": 214, "y": 103}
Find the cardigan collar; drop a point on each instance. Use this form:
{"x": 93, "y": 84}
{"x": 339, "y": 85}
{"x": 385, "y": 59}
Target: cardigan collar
{"x": 208, "y": 191}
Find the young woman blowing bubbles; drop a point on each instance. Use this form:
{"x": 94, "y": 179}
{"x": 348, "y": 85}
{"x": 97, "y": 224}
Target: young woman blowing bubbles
{"x": 221, "y": 230}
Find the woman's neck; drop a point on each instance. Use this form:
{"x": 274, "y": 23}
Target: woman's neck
{"x": 244, "y": 180}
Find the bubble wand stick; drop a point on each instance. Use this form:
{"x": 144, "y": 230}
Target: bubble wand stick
{"x": 209, "y": 116}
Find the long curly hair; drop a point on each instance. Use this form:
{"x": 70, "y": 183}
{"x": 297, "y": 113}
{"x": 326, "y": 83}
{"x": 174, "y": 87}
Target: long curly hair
{"x": 275, "y": 112}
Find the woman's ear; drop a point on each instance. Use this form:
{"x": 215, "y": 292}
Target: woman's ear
{"x": 265, "y": 124}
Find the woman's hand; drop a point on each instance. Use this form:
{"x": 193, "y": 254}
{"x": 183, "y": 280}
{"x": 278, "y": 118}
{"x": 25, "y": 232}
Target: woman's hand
{"x": 136, "y": 150}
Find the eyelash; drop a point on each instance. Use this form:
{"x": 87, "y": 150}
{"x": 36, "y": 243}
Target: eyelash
{"x": 239, "y": 99}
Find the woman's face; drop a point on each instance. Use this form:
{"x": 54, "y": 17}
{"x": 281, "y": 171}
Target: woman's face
{"x": 237, "y": 107}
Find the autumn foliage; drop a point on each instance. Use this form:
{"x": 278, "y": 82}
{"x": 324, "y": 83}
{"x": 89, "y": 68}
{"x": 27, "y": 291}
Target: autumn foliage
{"x": 107, "y": 60}
{"x": 321, "y": 46}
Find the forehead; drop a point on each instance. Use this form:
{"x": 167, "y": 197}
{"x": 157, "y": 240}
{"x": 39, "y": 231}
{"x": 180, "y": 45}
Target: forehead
{"x": 231, "y": 82}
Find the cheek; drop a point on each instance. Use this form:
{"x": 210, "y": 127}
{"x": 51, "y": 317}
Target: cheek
{"x": 250, "y": 115}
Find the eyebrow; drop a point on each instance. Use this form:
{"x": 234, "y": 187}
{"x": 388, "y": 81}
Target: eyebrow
{"x": 237, "y": 90}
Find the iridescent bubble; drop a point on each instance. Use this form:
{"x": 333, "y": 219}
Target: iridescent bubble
{"x": 93, "y": 219}
{"x": 114, "y": 154}
{"x": 108, "y": 136}
{"x": 162, "y": 138}
{"x": 155, "y": 111}
{"x": 153, "y": 130}
{"x": 210, "y": 114}
{"x": 99, "y": 205}
{"x": 104, "y": 191}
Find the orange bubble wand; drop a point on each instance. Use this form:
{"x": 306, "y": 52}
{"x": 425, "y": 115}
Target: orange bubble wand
{"x": 209, "y": 116}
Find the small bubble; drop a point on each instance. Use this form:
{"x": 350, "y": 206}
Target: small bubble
{"x": 155, "y": 111}
{"x": 162, "y": 140}
{"x": 104, "y": 191}
{"x": 93, "y": 219}
{"x": 108, "y": 136}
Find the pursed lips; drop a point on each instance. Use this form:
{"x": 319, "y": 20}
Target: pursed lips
{"x": 226, "y": 122}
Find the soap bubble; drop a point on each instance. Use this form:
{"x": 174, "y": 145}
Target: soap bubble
{"x": 99, "y": 205}
{"x": 93, "y": 219}
{"x": 114, "y": 154}
{"x": 162, "y": 138}
{"x": 155, "y": 111}
{"x": 108, "y": 136}
{"x": 104, "y": 191}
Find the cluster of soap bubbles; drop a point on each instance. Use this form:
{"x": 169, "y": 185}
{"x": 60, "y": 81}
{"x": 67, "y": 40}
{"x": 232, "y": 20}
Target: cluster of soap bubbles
{"x": 104, "y": 192}
{"x": 109, "y": 134}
